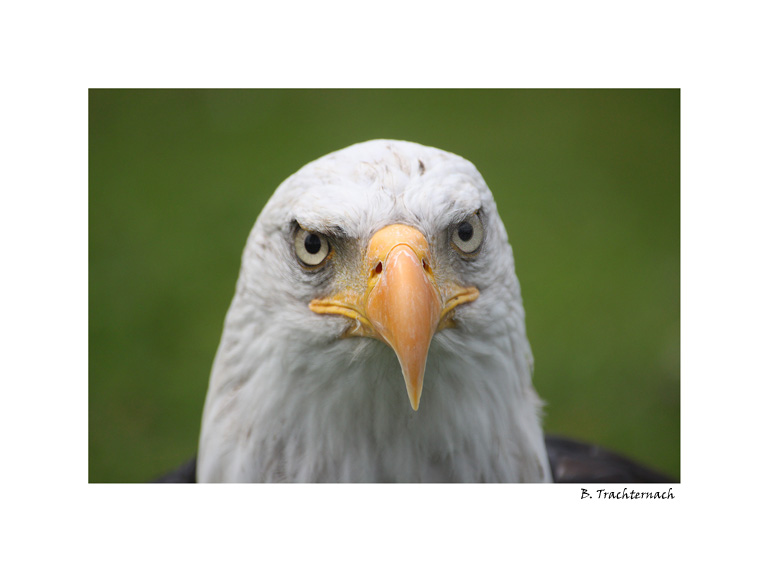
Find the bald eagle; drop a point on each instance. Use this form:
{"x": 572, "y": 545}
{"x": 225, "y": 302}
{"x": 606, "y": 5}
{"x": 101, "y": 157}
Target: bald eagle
{"x": 377, "y": 334}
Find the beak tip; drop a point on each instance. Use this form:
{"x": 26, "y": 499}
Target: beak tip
{"x": 415, "y": 396}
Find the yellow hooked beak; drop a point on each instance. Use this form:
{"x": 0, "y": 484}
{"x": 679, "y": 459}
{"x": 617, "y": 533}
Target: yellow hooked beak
{"x": 402, "y": 303}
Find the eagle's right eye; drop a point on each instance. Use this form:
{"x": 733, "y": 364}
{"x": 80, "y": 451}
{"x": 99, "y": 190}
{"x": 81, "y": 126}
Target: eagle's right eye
{"x": 312, "y": 248}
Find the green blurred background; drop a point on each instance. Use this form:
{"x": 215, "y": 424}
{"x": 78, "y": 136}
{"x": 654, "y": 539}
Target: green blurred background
{"x": 587, "y": 182}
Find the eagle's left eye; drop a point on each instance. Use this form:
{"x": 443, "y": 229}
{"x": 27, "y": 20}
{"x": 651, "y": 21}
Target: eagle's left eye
{"x": 467, "y": 236}
{"x": 311, "y": 248}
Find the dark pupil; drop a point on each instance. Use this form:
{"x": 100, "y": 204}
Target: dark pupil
{"x": 312, "y": 243}
{"x": 465, "y": 231}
